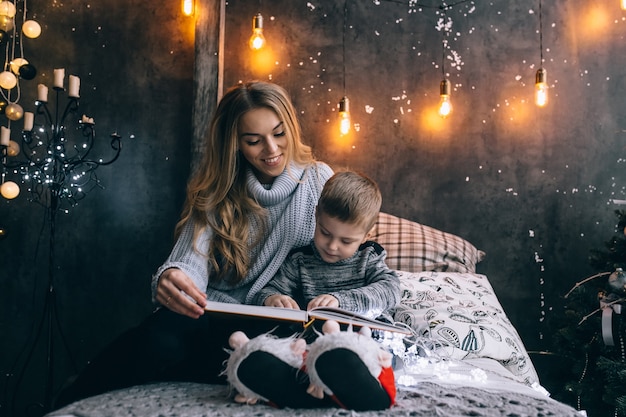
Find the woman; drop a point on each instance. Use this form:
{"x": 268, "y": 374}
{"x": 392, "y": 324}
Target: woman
{"x": 250, "y": 202}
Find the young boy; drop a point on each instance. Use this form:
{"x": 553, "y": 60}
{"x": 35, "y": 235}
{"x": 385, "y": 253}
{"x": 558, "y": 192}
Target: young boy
{"x": 340, "y": 267}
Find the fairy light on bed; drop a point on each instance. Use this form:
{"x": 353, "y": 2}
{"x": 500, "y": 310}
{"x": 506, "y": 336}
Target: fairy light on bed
{"x": 416, "y": 358}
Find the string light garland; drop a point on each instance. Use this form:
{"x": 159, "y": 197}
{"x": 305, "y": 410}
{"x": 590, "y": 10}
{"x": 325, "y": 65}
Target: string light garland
{"x": 15, "y": 68}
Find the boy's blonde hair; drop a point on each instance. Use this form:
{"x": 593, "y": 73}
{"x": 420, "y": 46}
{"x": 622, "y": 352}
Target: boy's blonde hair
{"x": 351, "y": 197}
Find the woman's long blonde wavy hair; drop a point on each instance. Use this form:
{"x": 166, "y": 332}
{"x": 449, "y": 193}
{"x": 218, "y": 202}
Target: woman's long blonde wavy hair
{"x": 217, "y": 195}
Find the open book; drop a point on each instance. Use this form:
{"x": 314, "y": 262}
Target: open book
{"x": 304, "y": 317}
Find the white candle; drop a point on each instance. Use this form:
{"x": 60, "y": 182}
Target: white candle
{"x": 74, "y": 86}
{"x": 59, "y": 75}
{"x": 5, "y": 136}
{"x": 42, "y": 93}
{"x": 29, "y": 118}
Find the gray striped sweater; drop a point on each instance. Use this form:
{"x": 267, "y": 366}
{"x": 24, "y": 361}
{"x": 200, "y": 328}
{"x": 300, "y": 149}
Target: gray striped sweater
{"x": 362, "y": 283}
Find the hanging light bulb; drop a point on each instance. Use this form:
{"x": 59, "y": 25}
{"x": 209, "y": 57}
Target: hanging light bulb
{"x": 188, "y": 7}
{"x": 344, "y": 116}
{"x": 257, "y": 40}
{"x": 445, "y": 106}
{"x": 623, "y": 4}
{"x": 541, "y": 88}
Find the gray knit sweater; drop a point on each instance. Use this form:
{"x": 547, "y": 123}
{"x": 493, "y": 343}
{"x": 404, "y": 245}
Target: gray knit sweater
{"x": 290, "y": 204}
{"x": 362, "y": 283}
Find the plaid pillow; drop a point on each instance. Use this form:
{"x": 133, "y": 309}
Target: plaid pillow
{"x": 415, "y": 247}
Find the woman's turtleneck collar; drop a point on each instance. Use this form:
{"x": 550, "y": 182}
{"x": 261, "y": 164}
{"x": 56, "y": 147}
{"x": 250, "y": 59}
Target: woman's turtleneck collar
{"x": 284, "y": 185}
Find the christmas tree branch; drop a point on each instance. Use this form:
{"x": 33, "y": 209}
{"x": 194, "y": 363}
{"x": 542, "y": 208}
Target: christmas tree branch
{"x": 619, "y": 300}
{"x": 578, "y": 284}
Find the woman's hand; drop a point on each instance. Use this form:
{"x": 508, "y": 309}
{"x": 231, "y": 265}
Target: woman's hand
{"x": 280, "y": 300}
{"x": 177, "y": 292}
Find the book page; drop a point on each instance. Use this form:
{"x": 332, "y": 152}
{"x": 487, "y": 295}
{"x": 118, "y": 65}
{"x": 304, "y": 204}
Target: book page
{"x": 258, "y": 311}
{"x": 348, "y": 317}
{"x": 301, "y": 316}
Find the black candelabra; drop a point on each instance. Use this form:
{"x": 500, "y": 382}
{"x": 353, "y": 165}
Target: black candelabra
{"x": 54, "y": 161}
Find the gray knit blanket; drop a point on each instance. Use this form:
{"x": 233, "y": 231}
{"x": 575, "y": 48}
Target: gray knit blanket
{"x": 198, "y": 400}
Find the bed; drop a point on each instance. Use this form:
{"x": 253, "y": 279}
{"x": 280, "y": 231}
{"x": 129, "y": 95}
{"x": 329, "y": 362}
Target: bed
{"x": 466, "y": 359}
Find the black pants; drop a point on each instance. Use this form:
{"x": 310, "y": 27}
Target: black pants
{"x": 166, "y": 347}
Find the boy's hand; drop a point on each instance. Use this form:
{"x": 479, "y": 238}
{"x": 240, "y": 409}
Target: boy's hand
{"x": 324, "y": 300}
{"x": 280, "y": 300}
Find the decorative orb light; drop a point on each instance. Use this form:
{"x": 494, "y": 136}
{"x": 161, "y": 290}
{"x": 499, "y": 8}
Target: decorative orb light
{"x": 16, "y": 64}
{"x": 3, "y": 233}
{"x": 13, "y": 149}
{"x": 31, "y": 29}
{"x": 9, "y": 190}
{"x": 6, "y": 23}
{"x": 3, "y": 105}
{"x": 28, "y": 72}
{"x": 14, "y": 111}
{"x": 3, "y": 36}
{"x": 7, "y": 80}
{"x": 7, "y": 8}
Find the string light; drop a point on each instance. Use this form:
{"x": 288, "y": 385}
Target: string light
{"x": 541, "y": 85}
{"x": 257, "y": 40}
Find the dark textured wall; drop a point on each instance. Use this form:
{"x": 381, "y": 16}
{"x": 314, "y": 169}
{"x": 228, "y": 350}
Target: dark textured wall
{"x": 531, "y": 187}
{"x": 136, "y": 62}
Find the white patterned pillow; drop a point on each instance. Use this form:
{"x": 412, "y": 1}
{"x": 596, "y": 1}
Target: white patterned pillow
{"x": 460, "y": 315}
{"x": 416, "y": 247}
